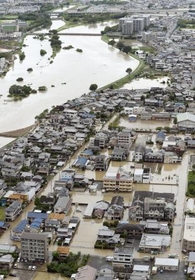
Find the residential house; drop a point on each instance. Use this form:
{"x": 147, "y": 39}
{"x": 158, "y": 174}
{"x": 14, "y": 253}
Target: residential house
{"x": 125, "y": 138}
{"x": 116, "y": 208}
{"x": 139, "y": 153}
{"x": 154, "y": 242}
{"x": 85, "y": 272}
{"x": 138, "y": 175}
{"x": 99, "y": 209}
{"x": 160, "y": 137}
{"x": 63, "y": 205}
{"x": 13, "y": 211}
{"x": 119, "y": 154}
{"x": 131, "y": 230}
{"x": 191, "y": 263}
{"x": 101, "y": 162}
{"x": 168, "y": 264}
{"x": 171, "y": 157}
{"x": 154, "y": 157}
{"x": 6, "y": 262}
{"x": 123, "y": 261}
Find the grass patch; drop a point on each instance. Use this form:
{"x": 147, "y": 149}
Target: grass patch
{"x": 191, "y": 184}
{"x": 2, "y": 213}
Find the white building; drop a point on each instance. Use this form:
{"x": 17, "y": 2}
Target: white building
{"x": 189, "y": 234}
{"x": 121, "y": 181}
{"x": 186, "y": 120}
{"x": 138, "y": 175}
{"x": 167, "y": 264}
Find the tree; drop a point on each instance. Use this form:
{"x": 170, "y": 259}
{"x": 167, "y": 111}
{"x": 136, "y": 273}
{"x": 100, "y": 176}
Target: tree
{"x": 93, "y": 87}
{"x": 129, "y": 70}
{"x": 193, "y": 168}
{"x": 175, "y": 120}
{"x": 126, "y": 49}
{"x": 111, "y": 42}
{"x": 120, "y": 45}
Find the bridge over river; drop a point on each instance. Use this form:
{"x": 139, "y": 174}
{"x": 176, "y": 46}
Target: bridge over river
{"x": 66, "y": 34}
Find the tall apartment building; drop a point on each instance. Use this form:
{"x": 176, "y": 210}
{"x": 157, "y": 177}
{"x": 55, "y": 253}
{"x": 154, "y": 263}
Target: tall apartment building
{"x": 34, "y": 246}
{"x": 129, "y": 25}
{"x": 189, "y": 234}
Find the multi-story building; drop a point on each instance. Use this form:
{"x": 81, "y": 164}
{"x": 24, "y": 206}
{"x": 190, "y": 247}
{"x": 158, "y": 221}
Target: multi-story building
{"x": 154, "y": 208}
{"x": 125, "y": 139}
{"x": 13, "y": 211}
{"x": 189, "y": 234}
{"x": 34, "y": 246}
{"x": 118, "y": 181}
{"x": 123, "y": 262}
{"x": 116, "y": 209}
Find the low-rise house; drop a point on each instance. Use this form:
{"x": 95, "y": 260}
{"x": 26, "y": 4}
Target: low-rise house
{"x": 6, "y": 262}
{"x": 99, "y": 209}
{"x": 155, "y": 227}
{"x": 63, "y": 205}
{"x": 123, "y": 261}
{"x": 13, "y": 211}
{"x": 119, "y": 154}
{"x": 140, "y": 272}
{"x": 101, "y": 162}
{"x": 168, "y": 264}
{"x": 154, "y": 242}
{"x": 116, "y": 209}
{"x": 131, "y": 230}
{"x": 18, "y": 230}
{"x": 139, "y": 153}
{"x": 154, "y": 157}
{"x": 170, "y": 157}
{"x": 191, "y": 263}
{"x": 85, "y": 272}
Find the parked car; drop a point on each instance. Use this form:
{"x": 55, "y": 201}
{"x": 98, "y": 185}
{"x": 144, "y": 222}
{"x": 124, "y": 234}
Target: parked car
{"x": 34, "y": 267}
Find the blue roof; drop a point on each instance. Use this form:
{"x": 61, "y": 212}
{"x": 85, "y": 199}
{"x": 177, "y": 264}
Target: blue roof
{"x": 87, "y": 152}
{"x": 21, "y": 226}
{"x": 36, "y": 215}
{"x": 36, "y": 223}
{"x": 81, "y": 161}
{"x": 2, "y": 223}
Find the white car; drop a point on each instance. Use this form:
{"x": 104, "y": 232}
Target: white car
{"x": 34, "y": 267}
{"x": 30, "y": 267}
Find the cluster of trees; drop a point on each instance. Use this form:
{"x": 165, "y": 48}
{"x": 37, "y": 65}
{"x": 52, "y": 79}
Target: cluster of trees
{"x": 124, "y": 48}
{"x": 68, "y": 265}
{"x": 191, "y": 182}
{"x": 18, "y": 92}
{"x": 40, "y": 206}
{"x": 37, "y": 19}
{"x": 55, "y": 41}
{"x": 183, "y": 23}
{"x": 93, "y": 18}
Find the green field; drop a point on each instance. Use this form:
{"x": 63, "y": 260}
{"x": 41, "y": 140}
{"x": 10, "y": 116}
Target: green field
{"x": 2, "y": 213}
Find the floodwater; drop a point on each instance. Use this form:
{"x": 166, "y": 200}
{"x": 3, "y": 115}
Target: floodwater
{"x": 99, "y": 63}
{"x": 143, "y": 124}
{"x": 5, "y": 140}
{"x": 48, "y": 276}
{"x": 144, "y": 83}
